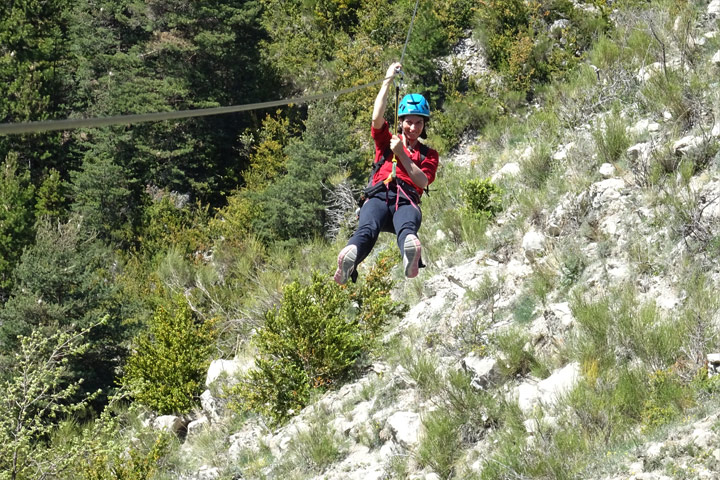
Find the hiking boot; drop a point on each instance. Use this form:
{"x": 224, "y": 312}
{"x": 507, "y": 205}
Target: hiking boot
{"x": 346, "y": 264}
{"x": 411, "y": 256}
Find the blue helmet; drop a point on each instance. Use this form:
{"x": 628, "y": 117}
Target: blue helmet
{"x": 414, "y": 104}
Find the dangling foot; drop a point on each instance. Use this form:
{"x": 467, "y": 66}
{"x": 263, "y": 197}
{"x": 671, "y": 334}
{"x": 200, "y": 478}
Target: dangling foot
{"x": 346, "y": 264}
{"x": 411, "y": 255}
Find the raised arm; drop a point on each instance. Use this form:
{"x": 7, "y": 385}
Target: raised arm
{"x": 381, "y": 100}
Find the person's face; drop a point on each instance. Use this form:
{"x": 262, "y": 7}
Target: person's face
{"x": 412, "y": 126}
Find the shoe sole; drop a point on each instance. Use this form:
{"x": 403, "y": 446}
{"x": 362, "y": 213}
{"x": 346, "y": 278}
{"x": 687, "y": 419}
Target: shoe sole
{"x": 346, "y": 264}
{"x": 412, "y": 250}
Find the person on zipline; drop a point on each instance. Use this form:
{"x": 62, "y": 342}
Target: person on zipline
{"x": 393, "y": 204}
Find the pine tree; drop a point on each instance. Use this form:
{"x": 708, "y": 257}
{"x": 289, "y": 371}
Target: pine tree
{"x": 16, "y": 218}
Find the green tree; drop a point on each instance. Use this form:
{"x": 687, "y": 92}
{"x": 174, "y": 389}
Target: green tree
{"x": 162, "y": 56}
{"x": 167, "y": 369}
{"x": 293, "y": 207}
{"x": 33, "y": 50}
{"x": 16, "y": 218}
{"x": 103, "y": 198}
{"x": 67, "y": 278}
{"x": 35, "y": 394}
{"x": 51, "y": 197}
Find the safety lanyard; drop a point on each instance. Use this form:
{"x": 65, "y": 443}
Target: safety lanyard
{"x": 393, "y": 174}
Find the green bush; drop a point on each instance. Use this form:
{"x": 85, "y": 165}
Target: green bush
{"x": 141, "y": 460}
{"x": 313, "y": 340}
{"x": 537, "y": 168}
{"x": 440, "y": 445}
{"x": 167, "y": 370}
{"x": 168, "y": 224}
{"x": 523, "y": 48}
{"x": 461, "y": 112}
{"x": 611, "y": 139}
{"x": 517, "y": 359}
{"x": 617, "y": 328}
{"x": 482, "y": 198}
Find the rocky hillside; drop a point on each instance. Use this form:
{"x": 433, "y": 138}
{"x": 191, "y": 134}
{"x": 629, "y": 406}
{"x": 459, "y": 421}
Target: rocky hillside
{"x": 572, "y": 339}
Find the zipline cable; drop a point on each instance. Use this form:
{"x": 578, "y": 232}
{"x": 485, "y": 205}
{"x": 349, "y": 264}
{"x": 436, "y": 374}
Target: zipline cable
{"x": 407, "y": 39}
{"x": 72, "y": 123}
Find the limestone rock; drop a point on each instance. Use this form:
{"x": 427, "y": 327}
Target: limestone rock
{"x": 210, "y": 405}
{"x": 714, "y": 7}
{"x": 716, "y": 58}
{"x": 220, "y": 367}
{"x": 713, "y": 364}
{"x": 562, "y": 152}
{"x": 688, "y": 144}
{"x": 546, "y": 392}
{"x": 533, "y": 244}
{"x": 197, "y": 426}
{"x": 404, "y": 427}
{"x": 484, "y": 371}
{"x": 169, "y": 423}
{"x": 607, "y": 170}
{"x": 511, "y": 169}
{"x": 638, "y": 151}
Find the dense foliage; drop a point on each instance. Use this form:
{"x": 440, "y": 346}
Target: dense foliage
{"x": 314, "y": 340}
{"x": 166, "y": 372}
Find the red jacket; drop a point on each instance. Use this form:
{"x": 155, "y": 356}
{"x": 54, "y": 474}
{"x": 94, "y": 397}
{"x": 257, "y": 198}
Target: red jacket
{"x": 382, "y": 144}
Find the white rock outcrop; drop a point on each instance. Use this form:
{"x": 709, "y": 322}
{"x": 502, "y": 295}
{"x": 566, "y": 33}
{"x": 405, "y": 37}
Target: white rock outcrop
{"x": 546, "y": 392}
{"x": 404, "y": 427}
{"x": 533, "y": 244}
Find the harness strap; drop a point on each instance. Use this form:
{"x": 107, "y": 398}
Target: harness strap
{"x": 424, "y": 149}
{"x": 397, "y": 198}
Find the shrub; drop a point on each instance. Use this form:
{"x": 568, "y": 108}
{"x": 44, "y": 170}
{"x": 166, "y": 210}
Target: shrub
{"x": 166, "y": 372}
{"x": 482, "y": 198}
{"x": 523, "y": 47}
{"x": 667, "y": 398}
{"x": 314, "y": 449}
{"x": 672, "y": 92}
{"x": 617, "y": 328}
{"x": 439, "y": 447}
{"x": 422, "y": 367}
{"x": 142, "y": 459}
{"x": 313, "y": 340}
{"x": 167, "y": 223}
{"x": 611, "y": 139}
{"x": 516, "y": 358}
{"x": 523, "y": 309}
{"x": 536, "y": 169}
{"x": 461, "y": 112}
{"x": 34, "y": 396}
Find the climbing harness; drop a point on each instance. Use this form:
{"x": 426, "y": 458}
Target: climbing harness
{"x": 401, "y": 186}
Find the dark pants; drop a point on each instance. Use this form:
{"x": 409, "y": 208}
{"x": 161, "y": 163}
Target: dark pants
{"x": 378, "y": 214}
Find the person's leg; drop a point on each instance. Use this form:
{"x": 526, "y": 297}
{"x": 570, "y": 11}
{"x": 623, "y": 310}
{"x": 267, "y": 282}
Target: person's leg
{"x": 407, "y": 220}
{"x": 373, "y": 215}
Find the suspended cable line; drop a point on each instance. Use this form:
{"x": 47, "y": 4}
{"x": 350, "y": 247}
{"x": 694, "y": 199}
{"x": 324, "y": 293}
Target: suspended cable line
{"x": 72, "y": 123}
{"x": 407, "y": 39}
